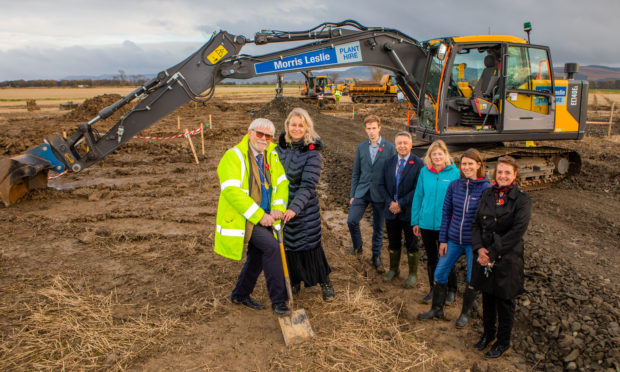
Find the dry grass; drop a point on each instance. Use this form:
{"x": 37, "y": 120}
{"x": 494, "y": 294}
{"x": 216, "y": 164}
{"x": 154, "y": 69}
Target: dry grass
{"x": 366, "y": 336}
{"x": 72, "y": 329}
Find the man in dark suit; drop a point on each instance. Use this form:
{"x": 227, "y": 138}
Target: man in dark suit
{"x": 367, "y": 173}
{"x": 400, "y": 177}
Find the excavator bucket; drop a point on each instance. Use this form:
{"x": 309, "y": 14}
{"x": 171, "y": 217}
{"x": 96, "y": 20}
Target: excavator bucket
{"x": 20, "y": 174}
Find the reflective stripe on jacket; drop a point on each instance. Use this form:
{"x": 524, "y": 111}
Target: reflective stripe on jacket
{"x": 235, "y": 206}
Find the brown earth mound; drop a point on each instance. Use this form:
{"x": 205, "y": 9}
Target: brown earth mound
{"x": 90, "y": 108}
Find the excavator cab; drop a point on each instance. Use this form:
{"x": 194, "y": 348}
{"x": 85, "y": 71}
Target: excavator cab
{"x": 497, "y": 88}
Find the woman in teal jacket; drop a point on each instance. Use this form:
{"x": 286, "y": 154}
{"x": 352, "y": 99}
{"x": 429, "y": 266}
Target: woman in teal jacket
{"x": 427, "y": 206}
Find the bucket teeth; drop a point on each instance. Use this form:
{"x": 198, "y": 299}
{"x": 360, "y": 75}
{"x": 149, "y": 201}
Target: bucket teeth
{"x": 20, "y": 174}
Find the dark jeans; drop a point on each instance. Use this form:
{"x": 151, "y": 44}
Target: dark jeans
{"x": 431, "y": 245}
{"x": 498, "y": 309}
{"x": 395, "y": 228}
{"x": 263, "y": 255}
{"x": 356, "y": 212}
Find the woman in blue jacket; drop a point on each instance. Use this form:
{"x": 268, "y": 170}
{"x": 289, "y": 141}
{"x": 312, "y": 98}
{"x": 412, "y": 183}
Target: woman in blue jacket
{"x": 459, "y": 208}
{"x": 427, "y": 207}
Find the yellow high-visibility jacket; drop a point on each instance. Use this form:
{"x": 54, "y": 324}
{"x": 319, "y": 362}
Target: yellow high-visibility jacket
{"x": 235, "y": 206}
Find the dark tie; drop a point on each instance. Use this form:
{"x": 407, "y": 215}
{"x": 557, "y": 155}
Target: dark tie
{"x": 401, "y": 165}
{"x": 259, "y": 160}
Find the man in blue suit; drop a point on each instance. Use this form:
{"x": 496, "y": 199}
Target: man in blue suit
{"x": 400, "y": 177}
{"x": 367, "y": 173}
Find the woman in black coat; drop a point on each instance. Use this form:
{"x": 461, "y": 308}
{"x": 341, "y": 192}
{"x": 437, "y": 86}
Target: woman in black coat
{"x": 501, "y": 221}
{"x": 298, "y": 148}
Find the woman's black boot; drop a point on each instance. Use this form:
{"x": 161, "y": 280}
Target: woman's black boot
{"x": 439, "y": 299}
{"x": 468, "y": 302}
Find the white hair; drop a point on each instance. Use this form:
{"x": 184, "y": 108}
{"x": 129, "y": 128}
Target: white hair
{"x": 262, "y": 123}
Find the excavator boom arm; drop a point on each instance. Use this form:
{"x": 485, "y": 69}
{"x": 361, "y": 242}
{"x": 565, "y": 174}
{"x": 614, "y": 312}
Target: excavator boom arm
{"x": 340, "y": 44}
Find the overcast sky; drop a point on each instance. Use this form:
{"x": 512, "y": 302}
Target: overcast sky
{"x": 55, "y": 39}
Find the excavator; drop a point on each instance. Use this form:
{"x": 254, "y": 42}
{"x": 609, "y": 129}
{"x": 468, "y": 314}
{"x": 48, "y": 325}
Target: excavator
{"x": 315, "y": 85}
{"x": 496, "y": 93}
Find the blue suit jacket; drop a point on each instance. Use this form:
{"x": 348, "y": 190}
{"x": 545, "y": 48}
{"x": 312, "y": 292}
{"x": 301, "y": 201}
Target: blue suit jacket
{"x": 366, "y": 175}
{"x": 406, "y": 186}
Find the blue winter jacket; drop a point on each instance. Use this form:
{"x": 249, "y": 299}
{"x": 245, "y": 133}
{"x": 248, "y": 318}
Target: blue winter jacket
{"x": 430, "y": 192}
{"x": 459, "y": 208}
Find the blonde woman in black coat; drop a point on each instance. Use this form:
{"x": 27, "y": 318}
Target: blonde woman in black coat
{"x": 298, "y": 149}
{"x": 498, "y": 228}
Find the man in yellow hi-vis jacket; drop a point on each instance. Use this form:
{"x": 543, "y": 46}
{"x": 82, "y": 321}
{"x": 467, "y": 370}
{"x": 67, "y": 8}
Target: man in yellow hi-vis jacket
{"x": 253, "y": 198}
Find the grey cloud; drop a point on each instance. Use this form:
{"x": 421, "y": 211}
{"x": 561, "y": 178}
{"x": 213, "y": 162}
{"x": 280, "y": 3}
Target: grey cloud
{"x": 575, "y": 32}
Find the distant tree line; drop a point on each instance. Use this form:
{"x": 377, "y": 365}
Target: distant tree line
{"x": 68, "y": 83}
{"x": 608, "y": 84}
{"x": 106, "y": 83}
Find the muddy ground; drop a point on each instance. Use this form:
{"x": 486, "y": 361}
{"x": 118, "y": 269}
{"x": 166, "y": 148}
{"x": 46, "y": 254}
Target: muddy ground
{"x": 113, "y": 267}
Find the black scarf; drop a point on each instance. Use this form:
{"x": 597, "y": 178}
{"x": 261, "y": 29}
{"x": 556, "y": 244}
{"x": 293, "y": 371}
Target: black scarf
{"x": 501, "y": 192}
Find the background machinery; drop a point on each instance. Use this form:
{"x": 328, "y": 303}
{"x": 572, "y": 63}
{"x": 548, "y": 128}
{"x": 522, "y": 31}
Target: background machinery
{"x": 380, "y": 91}
{"x": 314, "y": 85}
{"x": 346, "y": 85}
{"x": 489, "y": 92}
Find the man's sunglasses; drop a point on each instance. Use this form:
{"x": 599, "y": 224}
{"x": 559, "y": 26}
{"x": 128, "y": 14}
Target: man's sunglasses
{"x": 268, "y": 137}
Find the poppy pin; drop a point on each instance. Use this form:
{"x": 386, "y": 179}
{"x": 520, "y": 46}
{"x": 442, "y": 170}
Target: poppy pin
{"x": 311, "y": 146}
{"x": 410, "y": 161}
{"x": 267, "y": 166}
{"x": 380, "y": 149}
{"x": 501, "y": 202}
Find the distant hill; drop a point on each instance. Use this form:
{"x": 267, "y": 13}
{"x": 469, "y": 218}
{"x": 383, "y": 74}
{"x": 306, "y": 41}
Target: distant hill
{"x": 593, "y": 73}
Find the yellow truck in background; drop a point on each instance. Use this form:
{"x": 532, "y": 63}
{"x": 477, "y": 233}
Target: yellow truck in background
{"x": 380, "y": 91}
{"x": 346, "y": 86}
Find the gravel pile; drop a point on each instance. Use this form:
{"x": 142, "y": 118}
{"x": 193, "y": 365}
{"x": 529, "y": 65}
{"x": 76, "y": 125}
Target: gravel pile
{"x": 566, "y": 321}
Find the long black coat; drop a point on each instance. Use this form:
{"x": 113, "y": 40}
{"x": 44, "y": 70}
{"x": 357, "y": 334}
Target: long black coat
{"x": 302, "y": 164}
{"x": 500, "y": 229}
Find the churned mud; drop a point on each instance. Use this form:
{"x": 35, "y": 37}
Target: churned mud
{"x": 113, "y": 267}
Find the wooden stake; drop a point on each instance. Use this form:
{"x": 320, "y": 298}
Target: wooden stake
{"x": 178, "y": 122}
{"x": 191, "y": 144}
{"x": 64, "y": 134}
{"x": 202, "y": 138}
{"x": 210, "y": 122}
{"x": 611, "y": 118}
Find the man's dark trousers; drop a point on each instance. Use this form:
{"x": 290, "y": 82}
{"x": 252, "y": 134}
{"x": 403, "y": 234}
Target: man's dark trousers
{"x": 395, "y": 230}
{"x": 356, "y": 212}
{"x": 263, "y": 255}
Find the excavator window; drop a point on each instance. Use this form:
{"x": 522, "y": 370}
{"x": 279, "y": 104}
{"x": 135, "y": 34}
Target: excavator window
{"x": 527, "y": 69}
{"x": 427, "y": 113}
{"x": 518, "y": 69}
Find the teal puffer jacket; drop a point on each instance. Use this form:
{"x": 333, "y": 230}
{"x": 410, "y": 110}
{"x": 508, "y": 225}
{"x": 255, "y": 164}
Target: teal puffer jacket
{"x": 427, "y": 205}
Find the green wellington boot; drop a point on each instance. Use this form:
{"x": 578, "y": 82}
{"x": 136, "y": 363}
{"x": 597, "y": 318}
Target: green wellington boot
{"x": 413, "y": 259}
{"x": 394, "y": 269}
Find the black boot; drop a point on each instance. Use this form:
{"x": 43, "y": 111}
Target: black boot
{"x": 429, "y": 297}
{"x": 468, "y": 302}
{"x": 439, "y": 299}
{"x": 355, "y": 250}
{"x": 451, "y": 297}
{"x": 394, "y": 265}
{"x": 496, "y": 350}
{"x": 484, "y": 341}
{"x": 376, "y": 262}
{"x": 327, "y": 289}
